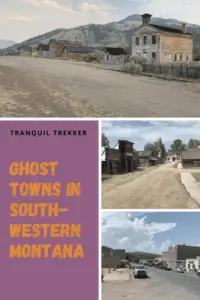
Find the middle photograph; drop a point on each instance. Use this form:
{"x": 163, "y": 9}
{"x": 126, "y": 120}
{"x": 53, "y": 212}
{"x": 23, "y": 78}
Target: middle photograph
{"x": 150, "y": 164}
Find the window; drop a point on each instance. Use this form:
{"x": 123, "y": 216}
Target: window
{"x": 153, "y": 39}
{"x": 154, "y": 55}
{"x": 137, "y": 41}
{"x": 175, "y": 57}
{"x": 187, "y": 58}
{"x": 181, "y": 57}
{"x": 145, "y": 40}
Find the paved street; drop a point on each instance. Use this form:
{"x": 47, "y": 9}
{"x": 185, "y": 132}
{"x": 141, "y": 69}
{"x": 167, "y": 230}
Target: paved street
{"x": 162, "y": 285}
{"x": 155, "y": 187}
{"x": 36, "y": 87}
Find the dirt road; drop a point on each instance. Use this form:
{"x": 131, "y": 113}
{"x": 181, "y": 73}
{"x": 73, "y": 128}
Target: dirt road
{"x": 161, "y": 285}
{"x": 157, "y": 187}
{"x": 34, "y": 87}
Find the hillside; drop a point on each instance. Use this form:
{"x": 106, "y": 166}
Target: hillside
{"x": 136, "y": 254}
{"x": 111, "y": 34}
{"x": 5, "y": 44}
{"x": 142, "y": 255}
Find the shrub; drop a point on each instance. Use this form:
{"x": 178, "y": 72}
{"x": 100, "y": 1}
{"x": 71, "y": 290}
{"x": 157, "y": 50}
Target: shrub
{"x": 194, "y": 72}
{"x": 91, "y": 57}
{"x": 132, "y": 68}
{"x": 139, "y": 60}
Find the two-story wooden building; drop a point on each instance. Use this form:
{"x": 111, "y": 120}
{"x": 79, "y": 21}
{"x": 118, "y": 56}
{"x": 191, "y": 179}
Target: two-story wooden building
{"x": 162, "y": 44}
{"x": 120, "y": 160}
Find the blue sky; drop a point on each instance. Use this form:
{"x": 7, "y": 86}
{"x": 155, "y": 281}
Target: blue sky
{"x": 21, "y": 19}
{"x": 142, "y": 132}
{"x": 150, "y": 232}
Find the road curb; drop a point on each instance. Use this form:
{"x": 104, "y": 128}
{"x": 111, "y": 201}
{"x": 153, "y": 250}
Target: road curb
{"x": 191, "y": 185}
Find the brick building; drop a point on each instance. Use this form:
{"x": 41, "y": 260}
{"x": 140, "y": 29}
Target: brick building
{"x": 176, "y": 255}
{"x": 162, "y": 44}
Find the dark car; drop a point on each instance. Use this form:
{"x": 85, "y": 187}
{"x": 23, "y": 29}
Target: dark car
{"x": 167, "y": 268}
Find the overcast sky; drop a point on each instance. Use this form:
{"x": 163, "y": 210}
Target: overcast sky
{"x": 150, "y": 232}
{"x": 143, "y": 132}
{"x": 22, "y": 19}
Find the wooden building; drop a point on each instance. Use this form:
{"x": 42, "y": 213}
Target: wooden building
{"x": 25, "y": 50}
{"x": 121, "y": 160}
{"x": 147, "y": 158}
{"x": 43, "y": 50}
{"x": 56, "y": 47}
{"x": 162, "y": 44}
{"x": 172, "y": 157}
{"x": 76, "y": 52}
{"x": 191, "y": 158}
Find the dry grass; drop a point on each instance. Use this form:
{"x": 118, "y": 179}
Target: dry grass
{"x": 196, "y": 176}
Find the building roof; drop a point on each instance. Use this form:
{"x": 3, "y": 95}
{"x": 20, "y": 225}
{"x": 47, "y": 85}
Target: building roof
{"x": 24, "y": 48}
{"x": 125, "y": 141}
{"x": 78, "y": 49}
{"x": 191, "y": 154}
{"x": 64, "y": 42}
{"x": 43, "y": 47}
{"x": 115, "y": 51}
{"x": 168, "y": 29}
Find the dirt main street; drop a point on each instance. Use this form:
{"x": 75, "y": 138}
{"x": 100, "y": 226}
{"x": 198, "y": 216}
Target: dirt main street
{"x": 162, "y": 285}
{"x": 155, "y": 187}
{"x": 36, "y": 87}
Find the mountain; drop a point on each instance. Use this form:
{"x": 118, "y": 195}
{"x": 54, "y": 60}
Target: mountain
{"x": 142, "y": 255}
{"x": 5, "y": 44}
{"x": 136, "y": 254}
{"x": 112, "y": 34}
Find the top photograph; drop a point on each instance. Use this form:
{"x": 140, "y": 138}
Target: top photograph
{"x": 100, "y": 59}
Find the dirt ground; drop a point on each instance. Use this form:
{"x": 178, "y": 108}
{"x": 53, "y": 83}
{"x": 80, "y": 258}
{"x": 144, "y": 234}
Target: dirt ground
{"x": 155, "y": 187}
{"x": 34, "y": 87}
{"x": 157, "y": 287}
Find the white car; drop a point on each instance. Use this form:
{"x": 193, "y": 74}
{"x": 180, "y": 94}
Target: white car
{"x": 180, "y": 270}
{"x": 140, "y": 272}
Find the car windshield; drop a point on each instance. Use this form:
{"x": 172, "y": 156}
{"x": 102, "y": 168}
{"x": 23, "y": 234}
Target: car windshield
{"x": 140, "y": 267}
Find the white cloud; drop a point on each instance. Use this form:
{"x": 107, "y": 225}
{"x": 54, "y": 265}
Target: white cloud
{"x": 32, "y": 2}
{"x": 185, "y": 10}
{"x": 22, "y": 18}
{"x": 140, "y": 134}
{"x": 56, "y": 5}
{"x": 54, "y": 14}
{"x": 133, "y": 233}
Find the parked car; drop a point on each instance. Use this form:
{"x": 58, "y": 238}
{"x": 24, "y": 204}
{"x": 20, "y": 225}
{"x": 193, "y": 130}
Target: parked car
{"x": 140, "y": 272}
{"x": 166, "y": 268}
{"x": 198, "y": 273}
{"x": 179, "y": 270}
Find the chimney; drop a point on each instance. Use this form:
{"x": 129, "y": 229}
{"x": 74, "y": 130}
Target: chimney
{"x": 184, "y": 28}
{"x": 146, "y": 19}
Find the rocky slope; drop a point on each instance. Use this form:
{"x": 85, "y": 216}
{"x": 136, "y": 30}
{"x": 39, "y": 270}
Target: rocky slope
{"x": 111, "y": 34}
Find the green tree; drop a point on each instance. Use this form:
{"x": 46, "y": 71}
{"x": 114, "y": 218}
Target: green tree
{"x": 193, "y": 143}
{"x": 153, "y": 148}
{"x": 178, "y": 146}
{"x": 161, "y": 148}
{"x": 104, "y": 141}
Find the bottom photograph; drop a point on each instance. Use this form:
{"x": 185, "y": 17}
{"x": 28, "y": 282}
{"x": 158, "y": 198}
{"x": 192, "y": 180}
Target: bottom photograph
{"x": 154, "y": 254}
